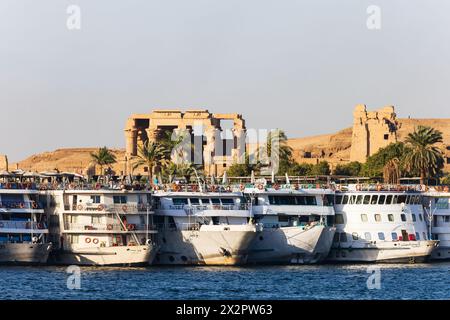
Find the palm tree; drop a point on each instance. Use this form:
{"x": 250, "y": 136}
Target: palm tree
{"x": 283, "y": 152}
{"x": 423, "y": 156}
{"x": 169, "y": 144}
{"x": 152, "y": 155}
{"x": 103, "y": 157}
{"x": 391, "y": 171}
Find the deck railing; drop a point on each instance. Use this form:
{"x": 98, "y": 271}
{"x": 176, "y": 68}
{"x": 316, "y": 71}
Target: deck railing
{"x": 8, "y": 224}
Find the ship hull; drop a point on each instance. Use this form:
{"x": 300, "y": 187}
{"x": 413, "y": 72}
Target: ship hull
{"x": 441, "y": 253}
{"x": 292, "y": 245}
{"x": 110, "y": 256}
{"x": 400, "y": 252}
{"x": 226, "y": 247}
{"x": 24, "y": 253}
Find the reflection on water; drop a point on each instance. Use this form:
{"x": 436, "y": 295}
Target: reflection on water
{"x": 398, "y": 281}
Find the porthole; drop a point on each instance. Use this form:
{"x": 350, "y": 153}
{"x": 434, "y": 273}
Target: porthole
{"x": 261, "y": 238}
{"x": 171, "y": 259}
{"x": 184, "y": 258}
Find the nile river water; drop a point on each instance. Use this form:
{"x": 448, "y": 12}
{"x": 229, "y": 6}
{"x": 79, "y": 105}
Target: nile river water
{"x": 348, "y": 282}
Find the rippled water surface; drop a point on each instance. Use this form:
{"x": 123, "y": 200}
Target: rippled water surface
{"x": 420, "y": 281}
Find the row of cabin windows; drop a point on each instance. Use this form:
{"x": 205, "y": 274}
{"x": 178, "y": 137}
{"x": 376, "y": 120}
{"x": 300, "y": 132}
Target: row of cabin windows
{"x": 293, "y": 200}
{"x": 202, "y": 201}
{"x": 378, "y": 199}
{"x": 116, "y": 199}
{"x": 438, "y": 219}
{"x": 377, "y": 218}
{"x": 343, "y": 237}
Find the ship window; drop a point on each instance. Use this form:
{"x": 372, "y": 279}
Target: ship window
{"x": 179, "y": 201}
{"x": 74, "y": 239}
{"x": 419, "y": 199}
{"x": 205, "y": 201}
{"x": 338, "y": 199}
{"x": 378, "y": 217}
{"x": 227, "y": 201}
{"x": 345, "y": 200}
{"x": 391, "y": 217}
{"x": 402, "y": 199}
{"x": 395, "y": 200}
{"x": 364, "y": 217}
{"x": 359, "y": 199}
{"x": 195, "y": 201}
{"x": 352, "y": 200}
{"x": 301, "y": 200}
{"x": 355, "y": 236}
{"x": 336, "y": 237}
{"x": 381, "y": 199}
{"x": 367, "y": 236}
{"x": 95, "y": 199}
{"x": 414, "y": 217}
{"x": 374, "y": 199}
{"x": 119, "y": 199}
{"x": 420, "y": 217}
{"x": 394, "y": 236}
{"x": 408, "y": 199}
{"x": 366, "y": 199}
{"x": 339, "y": 218}
{"x": 446, "y": 218}
{"x": 417, "y": 236}
{"x": 424, "y": 236}
{"x": 328, "y": 200}
{"x": 381, "y": 236}
{"x": 388, "y": 199}
{"x": 215, "y": 200}
{"x": 96, "y": 219}
{"x": 343, "y": 237}
{"x": 403, "y": 216}
{"x": 311, "y": 201}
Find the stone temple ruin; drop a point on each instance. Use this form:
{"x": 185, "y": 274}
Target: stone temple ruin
{"x": 216, "y": 147}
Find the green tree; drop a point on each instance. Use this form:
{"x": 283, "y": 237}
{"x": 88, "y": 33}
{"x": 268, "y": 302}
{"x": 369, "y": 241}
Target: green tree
{"x": 103, "y": 157}
{"x": 423, "y": 156}
{"x": 446, "y": 179}
{"x": 351, "y": 169}
{"x": 152, "y": 155}
{"x": 321, "y": 169}
{"x": 375, "y": 164}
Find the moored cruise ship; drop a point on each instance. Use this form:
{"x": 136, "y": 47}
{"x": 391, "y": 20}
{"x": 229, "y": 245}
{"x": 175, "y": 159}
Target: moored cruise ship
{"x": 297, "y": 224}
{"x": 100, "y": 226}
{"x": 23, "y": 225}
{"x": 376, "y": 225}
{"x": 437, "y": 205}
{"x": 203, "y": 228}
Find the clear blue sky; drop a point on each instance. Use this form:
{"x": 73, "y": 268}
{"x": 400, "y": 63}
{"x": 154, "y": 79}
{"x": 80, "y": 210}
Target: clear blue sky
{"x": 298, "y": 65}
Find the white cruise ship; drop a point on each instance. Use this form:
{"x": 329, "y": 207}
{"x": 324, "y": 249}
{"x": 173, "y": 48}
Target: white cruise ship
{"x": 440, "y": 223}
{"x": 23, "y": 225}
{"x": 376, "y": 225}
{"x": 298, "y": 224}
{"x": 100, "y": 226}
{"x": 197, "y": 228}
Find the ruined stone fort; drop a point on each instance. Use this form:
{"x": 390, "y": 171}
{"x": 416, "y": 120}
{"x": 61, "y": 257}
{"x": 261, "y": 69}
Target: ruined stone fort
{"x": 371, "y": 130}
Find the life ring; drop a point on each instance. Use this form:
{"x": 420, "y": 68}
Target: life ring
{"x": 194, "y": 188}
{"x": 95, "y": 241}
{"x": 176, "y": 187}
{"x": 40, "y": 225}
{"x": 241, "y": 187}
{"x": 131, "y": 227}
{"x": 100, "y": 207}
{"x": 98, "y": 186}
{"x": 21, "y": 205}
{"x": 260, "y": 186}
{"x": 358, "y": 187}
{"x": 80, "y": 207}
{"x": 124, "y": 208}
{"x": 88, "y": 240}
{"x": 109, "y": 227}
{"x": 34, "y": 205}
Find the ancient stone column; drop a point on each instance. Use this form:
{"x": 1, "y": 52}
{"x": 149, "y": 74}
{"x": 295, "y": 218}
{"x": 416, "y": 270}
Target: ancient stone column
{"x": 240, "y": 145}
{"x": 131, "y": 141}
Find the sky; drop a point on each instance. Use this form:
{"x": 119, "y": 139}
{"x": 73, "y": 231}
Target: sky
{"x": 297, "y": 65}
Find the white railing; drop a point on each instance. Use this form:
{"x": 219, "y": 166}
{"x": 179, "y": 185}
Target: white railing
{"x": 100, "y": 207}
{"x": 103, "y": 227}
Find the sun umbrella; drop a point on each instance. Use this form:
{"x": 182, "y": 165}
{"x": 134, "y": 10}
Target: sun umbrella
{"x": 225, "y": 178}
{"x": 252, "y": 177}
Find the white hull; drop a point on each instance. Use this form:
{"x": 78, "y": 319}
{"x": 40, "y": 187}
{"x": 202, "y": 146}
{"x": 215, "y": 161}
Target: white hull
{"x": 109, "y": 256}
{"x": 389, "y": 252}
{"x": 24, "y": 253}
{"x": 226, "y": 247}
{"x": 441, "y": 253}
{"x": 292, "y": 245}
